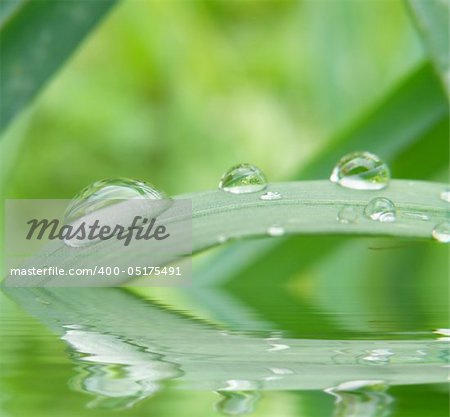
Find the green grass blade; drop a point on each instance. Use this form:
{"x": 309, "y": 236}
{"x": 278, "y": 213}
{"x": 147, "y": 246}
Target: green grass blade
{"x": 307, "y": 207}
{"x": 36, "y": 38}
{"x": 432, "y": 19}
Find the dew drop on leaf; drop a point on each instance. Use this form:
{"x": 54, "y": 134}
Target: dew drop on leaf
{"x": 347, "y": 215}
{"x": 271, "y": 195}
{"x": 441, "y": 232}
{"x": 102, "y": 194}
{"x": 275, "y": 230}
{"x": 381, "y": 209}
{"x": 361, "y": 171}
{"x": 221, "y": 239}
{"x": 106, "y": 192}
{"x": 445, "y": 195}
{"x": 243, "y": 179}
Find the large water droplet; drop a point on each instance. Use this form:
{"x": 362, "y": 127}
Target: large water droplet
{"x": 275, "y": 230}
{"x": 106, "y": 192}
{"x": 445, "y": 195}
{"x": 98, "y": 200}
{"x": 242, "y": 179}
{"x": 381, "y": 209}
{"x": 441, "y": 232}
{"x": 361, "y": 171}
{"x": 271, "y": 195}
{"x": 347, "y": 215}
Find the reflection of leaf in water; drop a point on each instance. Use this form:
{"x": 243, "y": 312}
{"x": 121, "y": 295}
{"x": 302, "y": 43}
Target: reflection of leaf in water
{"x": 119, "y": 373}
{"x": 362, "y": 399}
{"x": 236, "y": 403}
{"x": 111, "y": 330}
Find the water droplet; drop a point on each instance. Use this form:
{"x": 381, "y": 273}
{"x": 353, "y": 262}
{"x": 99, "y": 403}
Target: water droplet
{"x": 445, "y": 195}
{"x": 73, "y": 326}
{"x": 243, "y": 179}
{"x": 271, "y": 195}
{"x": 347, "y": 215}
{"x": 441, "y": 232}
{"x": 104, "y": 195}
{"x": 381, "y": 209}
{"x": 414, "y": 215}
{"x": 281, "y": 371}
{"x": 221, "y": 239}
{"x": 275, "y": 230}
{"x": 361, "y": 171}
{"x": 378, "y": 357}
{"x": 106, "y": 192}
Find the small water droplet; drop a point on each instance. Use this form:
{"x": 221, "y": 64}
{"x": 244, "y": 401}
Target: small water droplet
{"x": 414, "y": 215}
{"x": 221, "y": 239}
{"x": 281, "y": 371}
{"x": 42, "y": 301}
{"x": 381, "y": 209}
{"x": 275, "y": 230}
{"x": 441, "y": 232}
{"x": 378, "y": 357}
{"x": 347, "y": 215}
{"x": 243, "y": 179}
{"x": 445, "y": 195}
{"x": 271, "y": 195}
{"x": 103, "y": 194}
{"x": 361, "y": 171}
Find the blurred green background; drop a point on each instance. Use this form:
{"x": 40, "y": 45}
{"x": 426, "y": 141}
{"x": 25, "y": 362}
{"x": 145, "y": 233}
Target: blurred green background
{"x": 175, "y": 92}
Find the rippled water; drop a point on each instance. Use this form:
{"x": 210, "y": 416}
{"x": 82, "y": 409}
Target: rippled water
{"x": 85, "y": 352}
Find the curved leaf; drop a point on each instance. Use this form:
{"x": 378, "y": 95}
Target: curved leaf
{"x": 308, "y": 207}
{"x": 36, "y": 38}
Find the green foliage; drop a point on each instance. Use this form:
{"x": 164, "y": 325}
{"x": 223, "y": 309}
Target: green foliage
{"x": 36, "y": 38}
{"x": 432, "y": 18}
